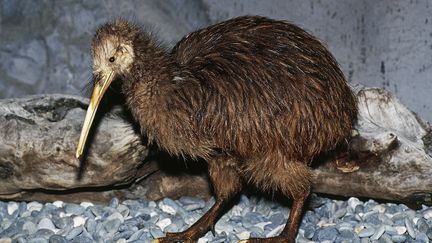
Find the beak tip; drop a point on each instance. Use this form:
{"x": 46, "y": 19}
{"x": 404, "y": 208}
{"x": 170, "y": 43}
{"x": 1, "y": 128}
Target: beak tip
{"x": 78, "y": 155}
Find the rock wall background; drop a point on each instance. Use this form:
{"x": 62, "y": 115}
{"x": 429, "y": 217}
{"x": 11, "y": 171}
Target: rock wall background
{"x": 44, "y": 44}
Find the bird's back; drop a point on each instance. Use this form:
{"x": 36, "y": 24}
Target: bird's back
{"x": 266, "y": 85}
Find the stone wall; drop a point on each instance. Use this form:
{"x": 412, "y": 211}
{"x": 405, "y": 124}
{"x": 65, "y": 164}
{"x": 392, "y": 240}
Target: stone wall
{"x": 44, "y": 44}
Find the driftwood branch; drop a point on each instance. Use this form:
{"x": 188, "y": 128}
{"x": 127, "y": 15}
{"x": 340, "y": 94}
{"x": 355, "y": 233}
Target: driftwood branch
{"x": 401, "y": 142}
{"x": 389, "y": 158}
{"x": 38, "y": 137}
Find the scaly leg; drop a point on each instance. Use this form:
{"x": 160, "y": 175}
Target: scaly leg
{"x": 226, "y": 184}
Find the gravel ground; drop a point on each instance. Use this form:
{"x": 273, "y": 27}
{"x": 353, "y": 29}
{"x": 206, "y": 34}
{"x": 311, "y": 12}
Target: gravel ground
{"x": 141, "y": 221}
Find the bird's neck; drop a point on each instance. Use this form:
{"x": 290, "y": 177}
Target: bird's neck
{"x": 147, "y": 88}
{"x": 159, "y": 93}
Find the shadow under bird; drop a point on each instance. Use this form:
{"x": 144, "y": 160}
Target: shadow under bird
{"x": 256, "y": 98}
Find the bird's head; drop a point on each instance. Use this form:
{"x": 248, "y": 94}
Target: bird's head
{"x": 113, "y": 55}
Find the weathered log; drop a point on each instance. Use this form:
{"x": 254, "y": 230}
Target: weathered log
{"x": 389, "y": 158}
{"x": 38, "y": 136}
{"x": 401, "y": 142}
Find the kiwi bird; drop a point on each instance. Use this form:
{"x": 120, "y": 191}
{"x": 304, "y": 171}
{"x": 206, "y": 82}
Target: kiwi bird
{"x": 257, "y": 99}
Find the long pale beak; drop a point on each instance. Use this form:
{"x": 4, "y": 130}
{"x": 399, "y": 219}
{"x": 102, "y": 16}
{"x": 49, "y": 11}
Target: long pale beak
{"x": 98, "y": 91}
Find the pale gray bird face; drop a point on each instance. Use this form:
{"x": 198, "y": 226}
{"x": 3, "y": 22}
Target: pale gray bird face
{"x": 111, "y": 56}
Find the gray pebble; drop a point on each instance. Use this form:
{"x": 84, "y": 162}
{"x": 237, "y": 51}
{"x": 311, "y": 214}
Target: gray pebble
{"x": 185, "y": 200}
{"x": 30, "y": 227}
{"x": 43, "y": 233}
{"x": 123, "y": 227}
{"x": 390, "y": 230}
{"x": 123, "y": 210}
{"x": 372, "y": 218}
{"x": 115, "y": 215}
{"x": 422, "y": 237}
{"x": 171, "y": 228}
{"x": 62, "y": 223}
{"x": 192, "y": 203}
{"x": 45, "y": 223}
{"x": 340, "y": 213}
{"x": 35, "y": 214}
{"x": 156, "y": 232}
{"x": 385, "y": 238}
{"x": 74, "y": 209}
{"x": 399, "y": 222}
{"x": 364, "y": 240}
{"x": 82, "y": 239}
{"x": 90, "y": 225}
{"x": 252, "y": 218}
{"x": 136, "y": 235}
{"x": 359, "y": 209}
{"x": 309, "y": 231}
{"x": 429, "y": 233}
{"x": 145, "y": 216}
{"x": 378, "y": 233}
{"x": 385, "y": 219}
{"x": 114, "y": 203}
{"x": 277, "y": 218}
{"x": 427, "y": 214}
{"x": 169, "y": 206}
{"x": 346, "y": 233}
{"x": 392, "y": 208}
{"x": 258, "y": 232}
{"x": 100, "y": 232}
{"x": 21, "y": 234}
{"x": 311, "y": 217}
{"x": 422, "y": 226}
{"x": 20, "y": 240}
{"x": 97, "y": 210}
{"x": 366, "y": 232}
{"x": 398, "y": 238}
{"x": 191, "y": 218}
{"x": 112, "y": 225}
{"x": 410, "y": 228}
{"x": 192, "y": 207}
{"x": 97, "y": 237}
{"x": 57, "y": 239}
{"x": 123, "y": 235}
{"x": 37, "y": 240}
{"x": 327, "y": 233}
{"x": 74, "y": 232}
{"x": 399, "y": 216}
{"x": 221, "y": 238}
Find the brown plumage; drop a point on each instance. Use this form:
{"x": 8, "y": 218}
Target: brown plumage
{"x": 256, "y": 98}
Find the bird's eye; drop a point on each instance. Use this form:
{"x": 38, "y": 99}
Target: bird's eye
{"x": 112, "y": 59}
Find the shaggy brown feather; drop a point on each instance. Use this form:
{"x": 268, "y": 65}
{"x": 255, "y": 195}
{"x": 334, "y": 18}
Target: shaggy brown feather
{"x": 257, "y": 98}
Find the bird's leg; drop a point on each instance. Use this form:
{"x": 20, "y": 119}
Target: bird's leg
{"x": 226, "y": 184}
{"x": 289, "y": 232}
{"x": 290, "y": 229}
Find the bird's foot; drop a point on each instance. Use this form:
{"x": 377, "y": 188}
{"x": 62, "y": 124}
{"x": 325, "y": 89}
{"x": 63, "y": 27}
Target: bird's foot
{"x": 180, "y": 237}
{"x": 276, "y": 239}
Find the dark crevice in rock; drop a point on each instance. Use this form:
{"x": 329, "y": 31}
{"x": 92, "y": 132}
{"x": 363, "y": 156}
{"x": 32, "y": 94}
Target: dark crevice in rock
{"x": 9, "y": 117}
{"x": 427, "y": 141}
{"x": 54, "y": 110}
{"x": 6, "y": 170}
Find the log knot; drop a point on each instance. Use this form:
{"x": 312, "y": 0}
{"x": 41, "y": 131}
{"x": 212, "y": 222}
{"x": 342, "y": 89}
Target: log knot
{"x": 6, "y": 170}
